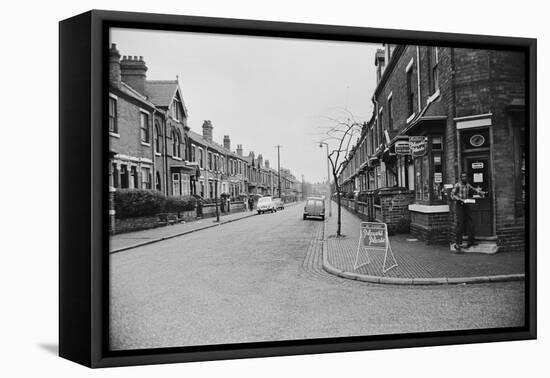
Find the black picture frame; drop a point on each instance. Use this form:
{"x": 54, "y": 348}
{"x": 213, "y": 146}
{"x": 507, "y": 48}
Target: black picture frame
{"x": 83, "y": 273}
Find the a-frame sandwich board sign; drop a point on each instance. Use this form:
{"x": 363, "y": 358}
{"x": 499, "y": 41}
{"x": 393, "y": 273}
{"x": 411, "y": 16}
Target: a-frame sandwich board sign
{"x": 373, "y": 236}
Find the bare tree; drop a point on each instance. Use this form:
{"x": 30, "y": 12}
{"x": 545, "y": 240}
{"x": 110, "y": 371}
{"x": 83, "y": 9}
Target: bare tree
{"x": 342, "y": 134}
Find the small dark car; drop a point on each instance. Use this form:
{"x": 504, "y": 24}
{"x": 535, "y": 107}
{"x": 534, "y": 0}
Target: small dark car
{"x": 315, "y": 207}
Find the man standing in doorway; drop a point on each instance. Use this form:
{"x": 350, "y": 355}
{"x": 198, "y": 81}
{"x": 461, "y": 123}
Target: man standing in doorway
{"x": 460, "y": 194}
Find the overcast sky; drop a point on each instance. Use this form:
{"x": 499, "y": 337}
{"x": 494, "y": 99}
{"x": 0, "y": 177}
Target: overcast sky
{"x": 261, "y": 91}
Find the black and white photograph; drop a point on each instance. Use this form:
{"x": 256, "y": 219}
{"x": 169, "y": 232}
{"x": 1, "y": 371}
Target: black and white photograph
{"x": 269, "y": 189}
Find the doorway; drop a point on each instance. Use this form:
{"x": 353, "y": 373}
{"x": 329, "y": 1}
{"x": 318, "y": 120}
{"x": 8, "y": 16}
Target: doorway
{"x": 479, "y": 175}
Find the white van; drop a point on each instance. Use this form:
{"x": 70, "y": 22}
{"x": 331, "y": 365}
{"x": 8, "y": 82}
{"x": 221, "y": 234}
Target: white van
{"x": 266, "y": 204}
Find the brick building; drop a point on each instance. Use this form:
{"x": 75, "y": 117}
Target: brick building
{"x": 465, "y": 108}
{"x": 152, "y": 147}
{"x": 147, "y": 129}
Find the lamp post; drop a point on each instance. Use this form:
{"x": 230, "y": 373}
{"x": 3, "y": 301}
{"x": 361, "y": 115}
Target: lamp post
{"x": 328, "y": 180}
{"x": 216, "y": 196}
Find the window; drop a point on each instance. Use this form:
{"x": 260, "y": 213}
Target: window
{"x": 193, "y": 153}
{"x": 113, "y": 124}
{"x": 176, "y": 187}
{"x": 381, "y": 127}
{"x": 428, "y": 171}
{"x": 410, "y": 91}
{"x": 146, "y": 178}
{"x": 158, "y": 184}
{"x": 144, "y": 125}
{"x": 176, "y": 144}
{"x": 209, "y": 161}
{"x": 185, "y": 185}
{"x": 135, "y": 178}
{"x": 124, "y": 177}
{"x": 201, "y": 188}
{"x": 157, "y": 136}
{"x": 390, "y": 114}
{"x": 177, "y": 112}
{"x": 114, "y": 174}
{"x": 201, "y": 158}
{"x": 437, "y": 160}
{"x": 434, "y": 75}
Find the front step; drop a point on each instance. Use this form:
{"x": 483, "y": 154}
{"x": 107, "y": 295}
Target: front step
{"x": 489, "y": 248}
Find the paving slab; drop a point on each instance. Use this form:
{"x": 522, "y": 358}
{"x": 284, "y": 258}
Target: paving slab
{"x": 417, "y": 262}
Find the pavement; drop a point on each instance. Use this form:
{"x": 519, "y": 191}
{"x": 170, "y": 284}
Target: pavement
{"x": 261, "y": 279}
{"x": 417, "y": 262}
{"x": 129, "y": 240}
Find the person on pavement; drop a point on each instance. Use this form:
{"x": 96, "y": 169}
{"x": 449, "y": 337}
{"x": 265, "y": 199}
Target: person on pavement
{"x": 464, "y": 221}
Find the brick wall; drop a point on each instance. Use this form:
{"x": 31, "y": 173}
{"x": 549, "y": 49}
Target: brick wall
{"x": 433, "y": 228}
{"x": 128, "y": 121}
{"x": 394, "y": 204}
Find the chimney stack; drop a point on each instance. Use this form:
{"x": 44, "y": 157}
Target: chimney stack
{"x": 114, "y": 66}
{"x": 239, "y": 149}
{"x": 267, "y": 164}
{"x": 133, "y": 71}
{"x": 207, "y": 130}
{"x": 260, "y": 161}
{"x": 227, "y": 142}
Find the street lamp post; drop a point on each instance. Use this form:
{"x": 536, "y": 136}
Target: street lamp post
{"x": 216, "y": 196}
{"x": 328, "y": 180}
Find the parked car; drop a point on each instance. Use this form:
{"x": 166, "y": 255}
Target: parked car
{"x": 315, "y": 207}
{"x": 279, "y": 204}
{"x": 266, "y": 204}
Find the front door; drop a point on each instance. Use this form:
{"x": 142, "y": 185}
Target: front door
{"x": 479, "y": 176}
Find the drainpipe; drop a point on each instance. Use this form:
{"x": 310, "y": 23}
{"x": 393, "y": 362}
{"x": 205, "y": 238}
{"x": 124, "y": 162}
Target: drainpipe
{"x": 418, "y": 78}
{"x": 165, "y": 158}
{"x": 154, "y": 176}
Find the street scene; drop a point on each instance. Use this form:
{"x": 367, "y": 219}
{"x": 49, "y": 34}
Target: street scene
{"x": 269, "y": 189}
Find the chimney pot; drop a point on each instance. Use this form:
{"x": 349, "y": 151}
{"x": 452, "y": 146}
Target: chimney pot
{"x": 207, "y": 130}
{"x": 114, "y": 66}
{"x": 227, "y": 142}
{"x": 134, "y": 72}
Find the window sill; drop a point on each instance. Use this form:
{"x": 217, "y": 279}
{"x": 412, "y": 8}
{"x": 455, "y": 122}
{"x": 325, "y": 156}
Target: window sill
{"x": 157, "y": 154}
{"x": 176, "y": 158}
{"x": 116, "y": 135}
{"x": 419, "y": 208}
{"x": 411, "y": 117}
{"x": 145, "y": 144}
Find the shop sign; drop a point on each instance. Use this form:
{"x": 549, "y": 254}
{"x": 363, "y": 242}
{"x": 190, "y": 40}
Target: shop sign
{"x": 438, "y": 177}
{"x": 418, "y": 145}
{"x": 477, "y": 165}
{"x": 373, "y": 237}
{"x": 402, "y": 147}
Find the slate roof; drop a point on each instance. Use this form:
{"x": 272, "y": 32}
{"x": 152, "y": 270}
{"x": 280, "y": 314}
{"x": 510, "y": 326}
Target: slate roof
{"x": 213, "y": 145}
{"x": 161, "y": 92}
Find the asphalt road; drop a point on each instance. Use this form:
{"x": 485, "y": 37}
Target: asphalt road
{"x": 260, "y": 279}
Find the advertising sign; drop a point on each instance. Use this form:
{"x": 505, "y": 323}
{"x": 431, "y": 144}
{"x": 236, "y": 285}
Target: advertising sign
{"x": 418, "y": 145}
{"x": 373, "y": 237}
{"x": 402, "y": 147}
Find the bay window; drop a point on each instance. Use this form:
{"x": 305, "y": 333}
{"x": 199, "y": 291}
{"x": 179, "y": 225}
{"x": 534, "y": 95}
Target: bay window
{"x": 428, "y": 172}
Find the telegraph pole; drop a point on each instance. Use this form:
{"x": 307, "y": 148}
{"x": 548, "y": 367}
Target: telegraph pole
{"x": 279, "y": 168}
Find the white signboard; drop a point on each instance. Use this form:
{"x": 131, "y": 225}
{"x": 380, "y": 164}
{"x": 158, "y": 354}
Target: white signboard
{"x": 373, "y": 236}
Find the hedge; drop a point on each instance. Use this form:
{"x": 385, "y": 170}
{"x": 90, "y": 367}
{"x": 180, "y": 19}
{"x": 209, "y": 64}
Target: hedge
{"x": 131, "y": 203}
{"x": 180, "y": 204}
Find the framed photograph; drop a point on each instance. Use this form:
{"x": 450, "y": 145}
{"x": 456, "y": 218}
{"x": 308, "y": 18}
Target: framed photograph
{"x": 234, "y": 188}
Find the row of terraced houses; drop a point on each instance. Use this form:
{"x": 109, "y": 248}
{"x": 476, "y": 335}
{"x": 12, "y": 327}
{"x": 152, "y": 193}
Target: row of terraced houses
{"x": 467, "y": 108}
{"x": 152, "y": 146}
